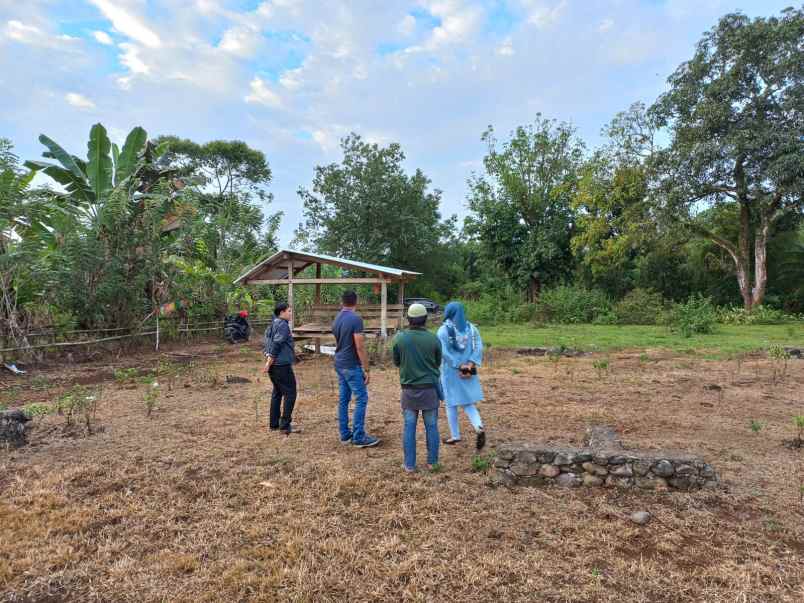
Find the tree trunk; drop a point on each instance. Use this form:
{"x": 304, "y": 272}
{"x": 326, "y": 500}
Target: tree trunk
{"x": 743, "y": 264}
{"x": 760, "y": 261}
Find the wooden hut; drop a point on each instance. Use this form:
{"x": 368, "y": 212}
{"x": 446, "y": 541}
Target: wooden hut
{"x": 285, "y": 266}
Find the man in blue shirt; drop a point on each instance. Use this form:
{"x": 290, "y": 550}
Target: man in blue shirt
{"x": 352, "y": 366}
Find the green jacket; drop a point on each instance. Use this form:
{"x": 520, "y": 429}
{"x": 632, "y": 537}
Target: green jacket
{"x": 417, "y": 353}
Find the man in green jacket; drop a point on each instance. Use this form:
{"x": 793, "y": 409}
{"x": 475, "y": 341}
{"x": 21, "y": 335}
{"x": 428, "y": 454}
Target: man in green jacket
{"x": 417, "y": 353}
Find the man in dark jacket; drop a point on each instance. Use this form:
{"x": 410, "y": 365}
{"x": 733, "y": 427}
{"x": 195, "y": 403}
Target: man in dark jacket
{"x": 279, "y": 366}
{"x": 417, "y": 353}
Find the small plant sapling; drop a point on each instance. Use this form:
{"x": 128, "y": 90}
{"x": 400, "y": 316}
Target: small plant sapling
{"x": 151, "y": 398}
{"x": 601, "y": 366}
{"x": 756, "y": 426}
{"x": 798, "y": 421}
{"x": 481, "y": 464}
{"x": 779, "y": 358}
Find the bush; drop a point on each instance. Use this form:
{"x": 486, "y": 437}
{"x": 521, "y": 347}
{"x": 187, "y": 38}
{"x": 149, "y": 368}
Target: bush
{"x": 760, "y": 315}
{"x": 640, "y": 307}
{"x": 570, "y": 304}
{"x": 696, "y": 315}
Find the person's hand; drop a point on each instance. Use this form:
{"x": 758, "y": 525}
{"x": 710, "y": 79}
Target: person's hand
{"x": 268, "y": 364}
{"x": 366, "y": 377}
{"x": 461, "y": 374}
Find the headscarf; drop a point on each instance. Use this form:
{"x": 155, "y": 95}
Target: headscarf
{"x": 456, "y": 313}
{"x": 457, "y": 326}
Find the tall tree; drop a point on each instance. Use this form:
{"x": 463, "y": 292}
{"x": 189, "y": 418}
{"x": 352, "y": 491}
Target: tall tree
{"x": 367, "y": 208}
{"x": 232, "y": 189}
{"x": 734, "y": 114}
{"x": 523, "y": 201}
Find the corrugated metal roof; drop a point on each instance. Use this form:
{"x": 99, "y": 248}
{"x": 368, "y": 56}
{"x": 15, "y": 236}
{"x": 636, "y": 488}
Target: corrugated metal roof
{"x": 324, "y": 259}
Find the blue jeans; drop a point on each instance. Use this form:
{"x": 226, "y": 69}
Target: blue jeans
{"x": 351, "y": 382}
{"x": 430, "y": 418}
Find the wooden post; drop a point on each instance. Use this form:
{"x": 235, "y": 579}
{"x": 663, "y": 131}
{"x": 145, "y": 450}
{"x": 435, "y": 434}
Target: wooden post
{"x": 290, "y": 294}
{"x": 318, "y": 301}
{"x": 401, "y": 303}
{"x": 384, "y": 310}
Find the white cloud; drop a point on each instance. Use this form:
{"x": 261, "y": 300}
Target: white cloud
{"x": 605, "y": 25}
{"x": 544, "y": 13}
{"x": 127, "y": 24}
{"x": 291, "y": 79}
{"x": 262, "y": 94}
{"x": 131, "y": 59}
{"x": 102, "y": 38}
{"x": 79, "y": 101}
{"x": 240, "y": 41}
{"x": 23, "y": 33}
{"x": 407, "y": 25}
{"x": 458, "y": 21}
{"x": 506, "y": 49}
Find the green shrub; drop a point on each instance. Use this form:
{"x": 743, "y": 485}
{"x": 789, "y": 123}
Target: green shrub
{"x": 570, "y": 304}
{"x": 640, "y": 307}
{"x": 759, "y": 315}
{"x": 696, "y": 315}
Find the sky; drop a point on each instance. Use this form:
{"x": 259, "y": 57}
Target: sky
{"x": 291, "y": 77}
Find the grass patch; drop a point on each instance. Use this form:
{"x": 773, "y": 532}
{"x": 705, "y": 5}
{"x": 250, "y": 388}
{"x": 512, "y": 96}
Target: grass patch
{"x": 725, "y": 341}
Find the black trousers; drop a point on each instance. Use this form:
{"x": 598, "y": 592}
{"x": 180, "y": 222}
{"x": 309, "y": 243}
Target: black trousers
{"x": 284, "y": 382}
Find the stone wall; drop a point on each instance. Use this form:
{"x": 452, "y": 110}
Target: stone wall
{"x": 12, "y": 428}
{"x": 603, "y": 462}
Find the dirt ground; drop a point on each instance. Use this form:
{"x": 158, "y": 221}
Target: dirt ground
{"x": 201, "y": 503}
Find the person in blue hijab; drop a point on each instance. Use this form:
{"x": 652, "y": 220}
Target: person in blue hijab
{"x": 462, "y": 355}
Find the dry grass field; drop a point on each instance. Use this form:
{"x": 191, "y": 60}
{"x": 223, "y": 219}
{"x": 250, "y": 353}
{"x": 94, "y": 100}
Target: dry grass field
{"x": 201, "y": 503}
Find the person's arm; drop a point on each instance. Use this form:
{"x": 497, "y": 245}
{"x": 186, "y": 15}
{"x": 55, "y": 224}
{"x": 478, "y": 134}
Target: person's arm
{"x": 360, "y": 348}
{"x": 397, "y": 357}
{"x": 266, "y": 348}
{"x": 438, "y": 353}
{"x": 476, "y": 356}
{"x": 451, "y": 360}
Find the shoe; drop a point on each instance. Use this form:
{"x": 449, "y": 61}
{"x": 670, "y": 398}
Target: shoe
{"x": 288, "y": 430}
{"x": 366, "y": 442}
{"x": 408, "y": 469}
{"x": 346, "y": 441}
{"x": 451, "y": 441}
{"x": 273, "y": 429}
{"x": 481, "y": 439}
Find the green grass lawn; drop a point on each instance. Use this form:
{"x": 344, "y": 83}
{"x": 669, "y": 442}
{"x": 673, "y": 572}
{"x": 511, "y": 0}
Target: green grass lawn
{"x": 725, "y": 341}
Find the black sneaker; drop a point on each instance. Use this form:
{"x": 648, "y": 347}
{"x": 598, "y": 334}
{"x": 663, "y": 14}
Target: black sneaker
{"x": 366, "y": 442}
{"x": 480, "y": 443}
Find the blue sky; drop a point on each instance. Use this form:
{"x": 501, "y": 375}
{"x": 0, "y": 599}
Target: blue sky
{"x": 291, "y": 77}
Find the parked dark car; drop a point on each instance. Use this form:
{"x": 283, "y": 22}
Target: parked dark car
{"x": 432, "y": 307}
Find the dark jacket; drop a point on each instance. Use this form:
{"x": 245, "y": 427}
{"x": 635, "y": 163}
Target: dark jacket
{"x": 279, "y": 342}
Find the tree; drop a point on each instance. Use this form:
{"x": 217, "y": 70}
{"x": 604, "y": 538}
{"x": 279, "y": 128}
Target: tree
{"x": 523, "y": 202}
{"x": 367, "y": 208}
{"x": 232, "y": 179}
{"x": 105, "y": 262}
{"x": 734, "y": 115}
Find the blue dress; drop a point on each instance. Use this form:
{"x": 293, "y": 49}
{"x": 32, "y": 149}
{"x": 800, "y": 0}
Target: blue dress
{"x": 459, "y": 391}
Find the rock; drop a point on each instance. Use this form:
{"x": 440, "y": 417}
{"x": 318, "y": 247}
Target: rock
{"x": 522, "y": 469}
{"x": 651, "y": 483}
{"x": 686, "y": 470}
{"x": 620, "y": 459}
{"x": 640, "y": 517}
{"x": 504, "y": 478}
{"x": 592, "y": 480}
{"x": 711, "y": 484}
{"x": 619, "y": 482}
{"x": 13, "y": 425}
{"x": 601, "y": 458}
{"x": 526, "y": 456}
{"x": 584, "y": 456}
{"x": 622, "y": 471}
{"x": 663, "y": 468}
{"x": 564, "y": 458}
{"x": 546, "y": 457}
{"x": 595, "y": 469}
{"x": 642, "y": 467}
{"x": 683, "y": 482}
{"x": 549, "y": 471}
{"x": 707, "y": 471}
{"x": 506, "y": 453}
{"x": 568, "y": 480}
{"x": 501, "y": 463}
